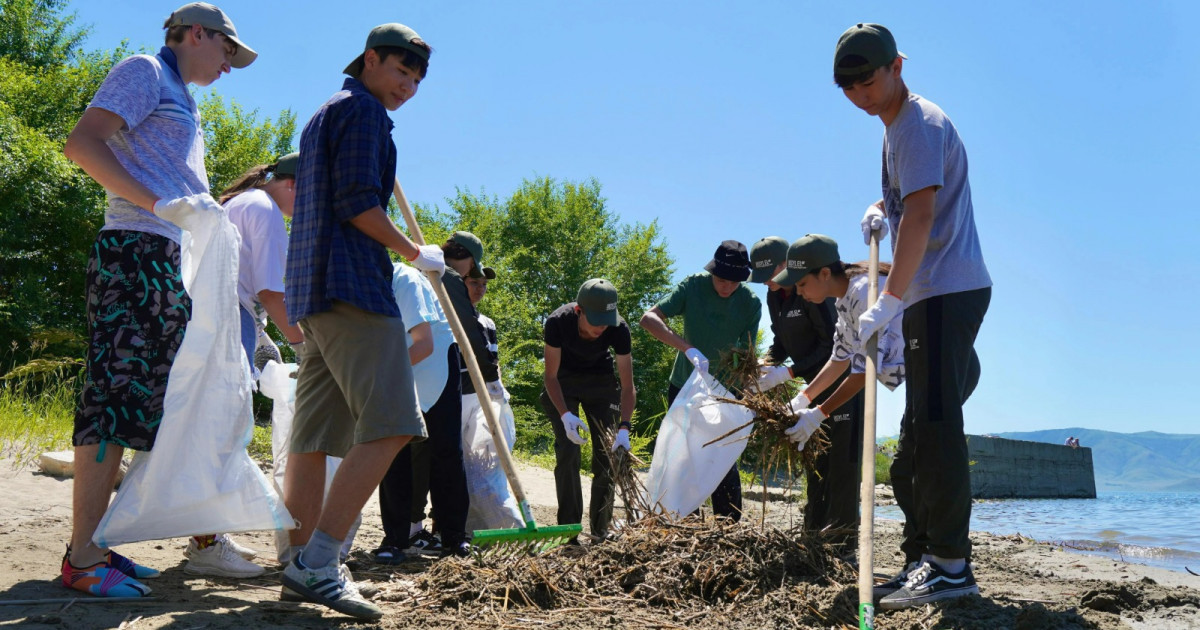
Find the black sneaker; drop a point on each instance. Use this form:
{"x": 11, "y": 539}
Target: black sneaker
{"x": 390, "y": 555}
{"x": 930, "y": 583}
{"x": 460, "y": 550}
{"x": 896, "y": 583}
{"x": 425, "y": 543}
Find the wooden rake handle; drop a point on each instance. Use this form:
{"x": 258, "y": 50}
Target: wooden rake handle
{"x": 464, "y": 345}
{"x": 866, "y": 525}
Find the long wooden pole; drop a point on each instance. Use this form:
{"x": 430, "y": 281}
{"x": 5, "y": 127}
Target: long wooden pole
{"x": 464, "y": 345}
{"x": 866, "y": 525}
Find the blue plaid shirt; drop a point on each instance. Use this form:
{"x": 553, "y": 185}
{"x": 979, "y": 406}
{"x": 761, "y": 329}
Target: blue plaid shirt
{"x": 347, "y": 166}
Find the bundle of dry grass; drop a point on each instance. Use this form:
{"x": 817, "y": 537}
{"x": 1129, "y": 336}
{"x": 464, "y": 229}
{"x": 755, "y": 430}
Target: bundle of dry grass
{"x": 771, "y": 417}
{"x": 625, "y": 466}
{"x": 684, "y": 565}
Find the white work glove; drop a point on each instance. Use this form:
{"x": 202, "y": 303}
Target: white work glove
{"x": 429, "y": 258}
{"x": 772, "y": 376}
{"x": 881, "y": 313}
{"x": 799, "y": 403}
{"x": 175, "y": 209}
{"x": 697, "y": 359}
{"x": 806, "y": 425}
{"x": 576, "y": 429}
{"x": 622, "y": 441}
{"x": 497, "y": 391}
{"x": 873, "y": 219}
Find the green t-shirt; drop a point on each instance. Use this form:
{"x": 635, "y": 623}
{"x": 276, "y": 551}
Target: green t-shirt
{"x": 710, "y": 323}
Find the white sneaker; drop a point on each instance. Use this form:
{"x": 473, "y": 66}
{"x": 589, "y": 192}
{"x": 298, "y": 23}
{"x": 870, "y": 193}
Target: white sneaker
{"x": 329, "y": 586}
{"x": 364, "y": 590}
{"x": 239, "y": 549}
{"x": 219, "y": 559}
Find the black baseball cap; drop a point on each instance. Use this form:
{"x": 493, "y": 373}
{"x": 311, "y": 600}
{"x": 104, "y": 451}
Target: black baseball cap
{"x": 730, "y": 262}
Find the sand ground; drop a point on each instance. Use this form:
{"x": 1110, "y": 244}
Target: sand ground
{"x": 1024, "y": 584}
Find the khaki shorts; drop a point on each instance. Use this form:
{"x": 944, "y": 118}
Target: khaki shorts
{"x": 355, "y": 383}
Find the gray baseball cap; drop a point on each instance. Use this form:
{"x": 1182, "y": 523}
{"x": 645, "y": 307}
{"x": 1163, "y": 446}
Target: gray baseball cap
{"x": 392, "y": 34}
{"x": 765, "y": 256}
{"x": 598, "y": 299}
{"x": 807, "y": 255}
{"x": 208, "y": 16}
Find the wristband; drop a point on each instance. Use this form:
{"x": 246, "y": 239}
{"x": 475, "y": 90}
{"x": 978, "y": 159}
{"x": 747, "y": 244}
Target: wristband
{"x": 893, "y": 295}
{"x": 625, "y": 425}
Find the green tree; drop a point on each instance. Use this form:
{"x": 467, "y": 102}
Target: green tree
{"x": 35, "y": 33}
{"x": 236, "y": 140}
{"x": 544, "y": 241}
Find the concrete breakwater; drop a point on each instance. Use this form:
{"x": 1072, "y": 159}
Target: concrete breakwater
{"x": 1008, "y": 469}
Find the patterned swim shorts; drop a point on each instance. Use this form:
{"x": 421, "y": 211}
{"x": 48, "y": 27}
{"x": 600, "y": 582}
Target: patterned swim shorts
{"x": 137, "y": 313}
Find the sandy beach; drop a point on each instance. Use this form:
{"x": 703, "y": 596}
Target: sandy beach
{"x": 1024, "y": 584}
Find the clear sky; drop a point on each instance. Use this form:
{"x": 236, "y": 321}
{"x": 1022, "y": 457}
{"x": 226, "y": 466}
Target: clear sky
{"x": 720, "y": 120}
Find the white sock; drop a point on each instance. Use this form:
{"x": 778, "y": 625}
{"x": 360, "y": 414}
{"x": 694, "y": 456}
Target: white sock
{"x": 950, "y": 565}
{"x": 415, "y": 528}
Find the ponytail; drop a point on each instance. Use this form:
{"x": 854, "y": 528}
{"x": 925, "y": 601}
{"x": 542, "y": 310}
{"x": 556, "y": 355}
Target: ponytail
{"x": 253, "y": 178}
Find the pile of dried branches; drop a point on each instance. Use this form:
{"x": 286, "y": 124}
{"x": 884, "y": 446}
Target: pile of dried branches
{"x": 625, "y": 466}
{"x": 680, "y": 565}
{"x": 772, "y": 417}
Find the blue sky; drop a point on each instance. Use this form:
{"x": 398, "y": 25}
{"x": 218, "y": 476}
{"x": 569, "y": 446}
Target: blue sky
{"x": 720, "y": 120}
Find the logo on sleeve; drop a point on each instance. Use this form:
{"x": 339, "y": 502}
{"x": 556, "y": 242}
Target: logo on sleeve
{"x": 913, "y": 344}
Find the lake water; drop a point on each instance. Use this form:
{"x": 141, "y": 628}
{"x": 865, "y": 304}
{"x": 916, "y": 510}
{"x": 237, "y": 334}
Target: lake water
{"x": 1155, "y": 528}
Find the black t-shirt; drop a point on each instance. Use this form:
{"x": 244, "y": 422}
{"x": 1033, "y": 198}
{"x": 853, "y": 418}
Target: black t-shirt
{"x": 579, "y": 355}
{"x": 803, "y": 332}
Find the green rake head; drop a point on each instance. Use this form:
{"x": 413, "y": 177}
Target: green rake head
{"x": 530, "y": 539}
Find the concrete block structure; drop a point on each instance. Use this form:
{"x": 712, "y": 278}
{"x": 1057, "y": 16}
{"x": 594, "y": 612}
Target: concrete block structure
{"x": 1015, "y": 469}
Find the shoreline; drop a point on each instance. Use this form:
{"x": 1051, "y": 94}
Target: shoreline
{"x": 1023, "y": 583}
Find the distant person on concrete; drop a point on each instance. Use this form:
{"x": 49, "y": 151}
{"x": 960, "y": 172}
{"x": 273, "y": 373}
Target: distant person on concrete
{"x": 940, "y": 287}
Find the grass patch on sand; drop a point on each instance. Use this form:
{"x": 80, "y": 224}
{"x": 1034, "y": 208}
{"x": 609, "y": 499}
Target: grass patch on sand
{"x": 37, "y": 409}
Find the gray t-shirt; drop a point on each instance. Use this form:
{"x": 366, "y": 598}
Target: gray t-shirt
{"x": 162, "y": 144}
{"x": 921, "y": 148}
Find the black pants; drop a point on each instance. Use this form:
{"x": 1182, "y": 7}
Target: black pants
{"x": 600, "y": 398}
{"x": 447, "y": 478}
{"x": 833, "y": 483}
{"x": 931, "y": 473}
{"x": 727, "y": 498}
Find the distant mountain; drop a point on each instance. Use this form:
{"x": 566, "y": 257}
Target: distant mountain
{"x": 1147, "y": 461}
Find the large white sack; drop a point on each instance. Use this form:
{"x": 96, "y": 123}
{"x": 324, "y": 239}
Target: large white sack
{"x": 684, "y": 472}
{"x": 492, "y": 504}
{"x": 199, "y": 479}
{"x": 278, "y": 382}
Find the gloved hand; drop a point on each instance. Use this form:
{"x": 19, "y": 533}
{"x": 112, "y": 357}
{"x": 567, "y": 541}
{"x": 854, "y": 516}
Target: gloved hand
{"x": 497, "y": 391}
{"x": 576, "y": 429}
{"x": 881, "y": 313}
{"x": 697, "y": 358}
{"x": 806, "y": 425}
{"x": 772, "y": 376}
{"x": 874, "y": 219}
{"x": 429, "y": 258}
{"x": 799, "y": 403}
{"x": 622, "y": 441}
{"x": 173, "y": 209}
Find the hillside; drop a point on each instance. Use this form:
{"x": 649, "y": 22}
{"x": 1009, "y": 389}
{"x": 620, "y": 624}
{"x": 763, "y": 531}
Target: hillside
{"x": 1146, "y": 461}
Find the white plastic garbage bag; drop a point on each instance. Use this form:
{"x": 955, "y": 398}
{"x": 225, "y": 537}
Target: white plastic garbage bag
{"x": 684, "y": 472}
{"x": 492, "y": 504}
{"x": 198, "y": 479}
{"x": 278, "y": 382}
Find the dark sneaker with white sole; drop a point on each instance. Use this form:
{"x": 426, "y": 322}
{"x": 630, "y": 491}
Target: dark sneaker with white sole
{"x": 425, "y": 543}
{"x": 329, "y": 586}
{"x": 896, "y": 583}
{"x": 931, "y": 583}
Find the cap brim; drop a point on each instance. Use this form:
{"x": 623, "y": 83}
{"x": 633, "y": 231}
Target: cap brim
{"x": 355, "y": 68}
{"x": 762, "y": 275}
{"x": 489, "y": 273}
{"x": 601, "y": 318}
{"x": 245, "y": 54}
{"x": 788, "y": 277}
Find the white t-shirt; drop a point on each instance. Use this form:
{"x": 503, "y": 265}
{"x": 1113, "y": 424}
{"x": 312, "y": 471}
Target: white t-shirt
{"x": 162, "y": 144}
{"x": 847, "y": 346}
{"x": 418, "y": 303}
{"x": 921, "y": 148}
{"x": 263, "y": 255}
